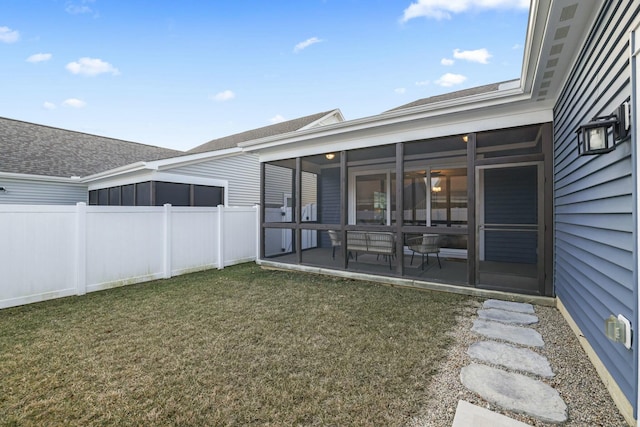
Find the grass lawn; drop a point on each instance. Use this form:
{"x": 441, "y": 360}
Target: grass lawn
{"x": 233, "y": 347}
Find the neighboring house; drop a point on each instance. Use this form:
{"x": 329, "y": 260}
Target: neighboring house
{"x": 44, "y": 165}
{"x": 495, "y": 172}
{"x": 218, "y": 170}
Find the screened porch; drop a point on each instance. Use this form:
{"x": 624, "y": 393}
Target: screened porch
{"x": 469, "y": 210}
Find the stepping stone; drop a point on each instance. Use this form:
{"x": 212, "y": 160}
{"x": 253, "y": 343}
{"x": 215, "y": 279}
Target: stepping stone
{"x": 504, "y": 316}
{"x": 514, "y": 334}
{"x": 468, "y": 414}
{"x": 511, "y": 357}
{"x": 515, "y": 392}
{"x": 508, "y": 305}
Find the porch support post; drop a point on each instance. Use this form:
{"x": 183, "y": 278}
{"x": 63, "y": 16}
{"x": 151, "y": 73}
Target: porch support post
{"x": 547, "y": 150}
{"x": 471, "y": 210}
{"x": 297, "y": 200}
{"x": 344, "y": 206}
{"x": 399, "y": 207}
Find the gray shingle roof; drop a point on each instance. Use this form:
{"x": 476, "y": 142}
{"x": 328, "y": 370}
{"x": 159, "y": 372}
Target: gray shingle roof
{"x": 232, "y": 141}
{"x": 451, "y": 95}
{"x": 34, "y": 149}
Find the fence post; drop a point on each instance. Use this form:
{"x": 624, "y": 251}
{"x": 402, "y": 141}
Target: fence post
{"x": 220, "y": 237}
{"x": 258, "y": 232}
{"x": 81, "y": 248}
{"x": 167, "y": 241}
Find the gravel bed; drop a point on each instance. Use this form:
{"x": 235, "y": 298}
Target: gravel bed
{"x": 587, "y": 399}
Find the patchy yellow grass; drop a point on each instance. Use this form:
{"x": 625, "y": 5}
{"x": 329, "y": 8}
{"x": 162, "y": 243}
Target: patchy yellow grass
{"x": 234, "y": 347}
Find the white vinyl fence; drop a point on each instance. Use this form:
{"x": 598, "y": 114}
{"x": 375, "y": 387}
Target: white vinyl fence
{"x": 49, "y": 252}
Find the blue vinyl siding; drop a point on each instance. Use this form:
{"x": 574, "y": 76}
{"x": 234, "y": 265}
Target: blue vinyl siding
{"x": 594, "y": 197}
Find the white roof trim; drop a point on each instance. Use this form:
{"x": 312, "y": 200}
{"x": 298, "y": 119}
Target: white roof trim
{"x": 47, "y": 178}
{"x": 163, "y": 164}
{"x": 447, "y": 107}
{"x": 335, "y": 113}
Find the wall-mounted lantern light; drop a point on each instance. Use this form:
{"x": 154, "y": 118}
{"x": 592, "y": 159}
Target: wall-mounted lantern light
{"x": 330, "y": 156}
{"x": 602, "y": 134}
{"x": 3, "y": 189}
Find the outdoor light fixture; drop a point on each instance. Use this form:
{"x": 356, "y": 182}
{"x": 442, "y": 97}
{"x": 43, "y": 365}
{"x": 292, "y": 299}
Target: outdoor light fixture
{"x": 3, "y": 189}
{"x": 602, "y": 134}
{"x": 330, "y": 156}
{"x": 465, "y": 138}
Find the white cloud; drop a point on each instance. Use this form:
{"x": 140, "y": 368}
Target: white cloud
{"x": 49, "y": 105}
{"x": 517, "y": 46}
{"x": 423, "y": 83}
{"x": 78, "y": 8}
{"x": 7, "y": 35}
{"x": 449, "y": 79}
{"x": 479, "y": 55}
{"x": 305, "y": 44}
{"x": 39, "y": 57}
{"x": 276, "y": 119}
{"x": 442, "y": 9}
{"x": 447, "y": 61}
{"x": 226, "y": 95}
{"x": 91, "y": 67}
{"x": 74, "y": 102}
{"x": 400, "y": 90}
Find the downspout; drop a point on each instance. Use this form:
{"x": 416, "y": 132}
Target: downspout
{"x": 635, "y": 138}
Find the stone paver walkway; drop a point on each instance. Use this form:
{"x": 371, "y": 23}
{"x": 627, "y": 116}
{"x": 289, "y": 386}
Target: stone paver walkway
{"x": 509, "y": 374}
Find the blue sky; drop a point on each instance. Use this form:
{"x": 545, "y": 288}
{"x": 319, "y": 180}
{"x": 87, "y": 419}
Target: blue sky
{"x": 180, "y": 73}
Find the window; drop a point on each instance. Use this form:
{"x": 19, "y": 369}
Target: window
{"x": 371, "y": 199}
{"x": 449, "y": 198}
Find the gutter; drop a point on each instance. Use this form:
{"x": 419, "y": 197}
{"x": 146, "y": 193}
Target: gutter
{"x": 44, "y": 178}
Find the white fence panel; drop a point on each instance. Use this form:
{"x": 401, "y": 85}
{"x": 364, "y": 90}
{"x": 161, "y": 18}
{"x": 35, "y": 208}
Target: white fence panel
{"x": 194, "y": 238}
{"x": 240, "y": 231}
{"x": 37, "y": 253}
{"x": 125, "y": 245}
{"x": 54, "y": 251}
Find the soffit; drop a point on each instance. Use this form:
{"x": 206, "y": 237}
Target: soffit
{"x": 566, "y": 26}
